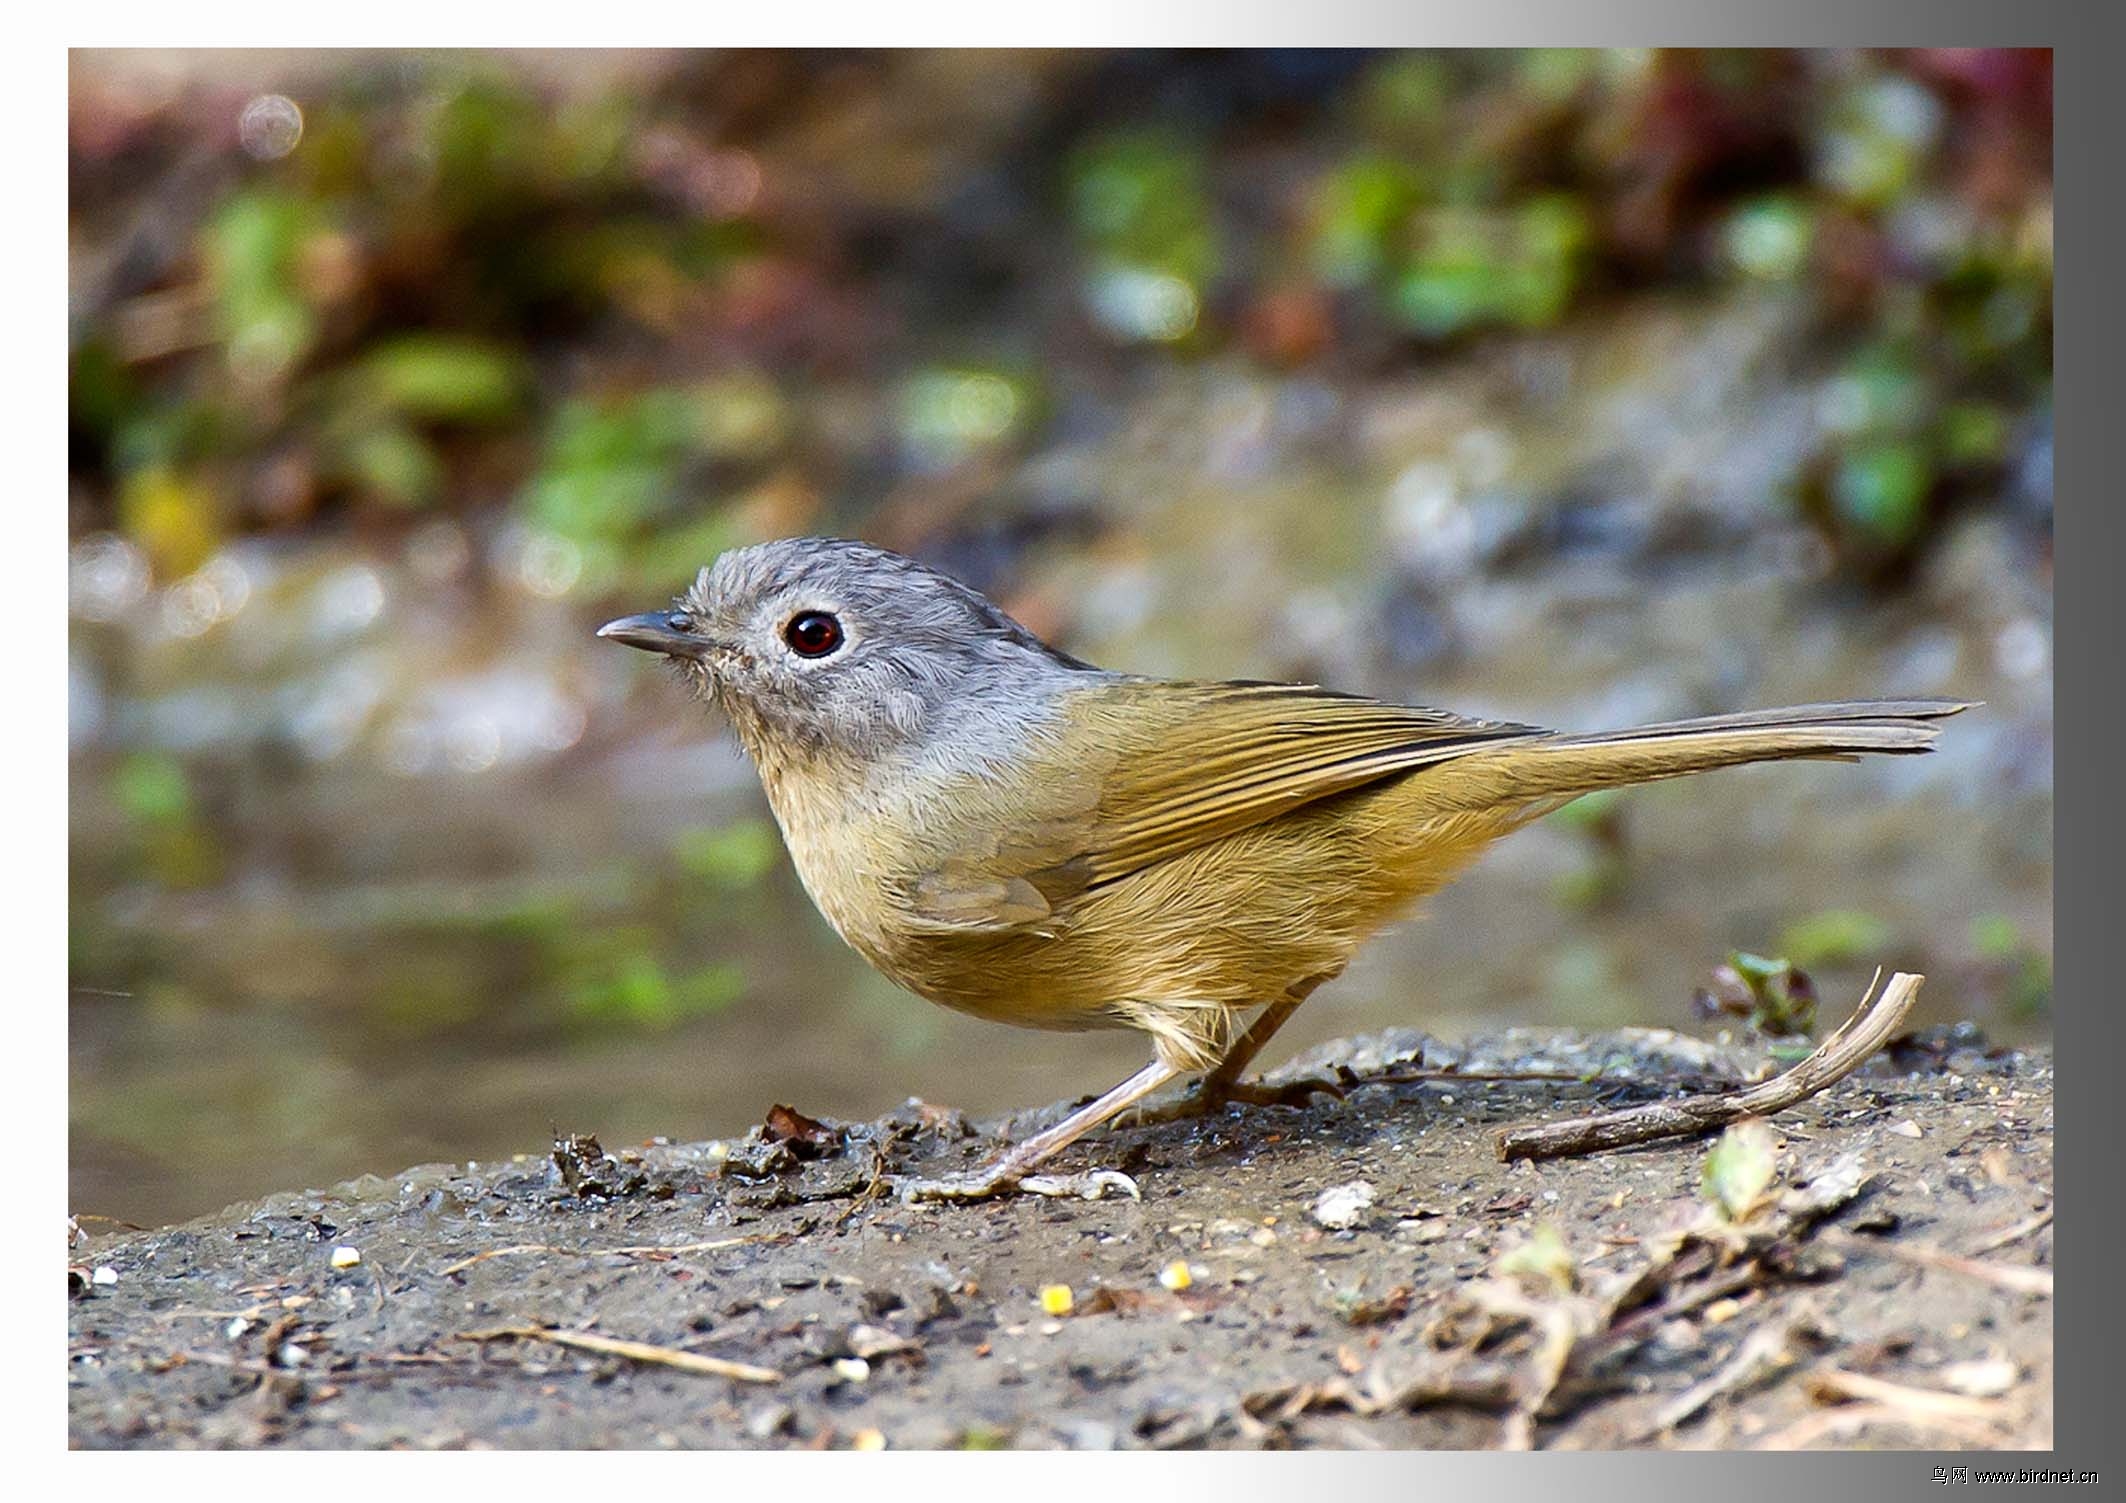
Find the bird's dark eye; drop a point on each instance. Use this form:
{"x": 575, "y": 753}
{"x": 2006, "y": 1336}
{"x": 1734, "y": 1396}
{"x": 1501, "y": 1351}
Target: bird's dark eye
{"x": 813, "y": 634}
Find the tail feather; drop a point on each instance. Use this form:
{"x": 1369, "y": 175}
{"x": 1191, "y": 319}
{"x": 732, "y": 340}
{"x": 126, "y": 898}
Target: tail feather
{"x": 1543, "y": 772}
{"x": 1913, "y": 714}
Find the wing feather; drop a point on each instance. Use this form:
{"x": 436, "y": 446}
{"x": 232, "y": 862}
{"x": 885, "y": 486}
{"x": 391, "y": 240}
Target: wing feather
{"x": 1180, "y": 765}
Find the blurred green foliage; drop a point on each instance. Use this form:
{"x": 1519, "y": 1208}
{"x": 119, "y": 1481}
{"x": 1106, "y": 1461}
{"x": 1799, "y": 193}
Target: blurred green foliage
{"x": 153, "y": 788}
{"x": 1834, "y": 937}
{"x": 2021, "y": 971}
{"x": 736, "y": 855}
{"x": 609, "y": 309}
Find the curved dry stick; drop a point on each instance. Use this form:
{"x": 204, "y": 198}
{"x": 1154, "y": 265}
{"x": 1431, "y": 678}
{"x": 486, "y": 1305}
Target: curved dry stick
{"x": 634, "y": 1351}
{"x": 1838, "y": 1056}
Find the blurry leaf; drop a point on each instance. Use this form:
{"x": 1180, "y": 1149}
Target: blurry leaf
{"x": 1141, "y": 197}
{"x": 2030, "y": 990}
{"x": 743, "y": 416}
{"x": 172, "y": 516}
{"x": 395, "y": 465}
{"x": 152, "y": 787}
{"x": 947, "y": 414}
{"x": 1769, "y": 237}
{"x": 1364, "y": 208}
{"x": 672, "y": 553}
{"x": 1833, "y": 937}
{"x": 594, "y": 135}
{"x": 1590, "y": 809}
{"x": 100, "y": 390}
{"x": 1475, "y": 267}
{"x": 734, "y": 855}
{"x": 1881, "y": 391}
{"x": 1139, "y": 203}
{"x": 636, "y": 991}
{"x": 1880, "y": 490}
{"x": 1877, "y": 134}
{"x": 1974, "y": 433}
{"x": 1552, "y": 236}
{"x": 1448, "y": 290}
{"x": 616, "y": 979}
{"x": 1591, "y": 885}
{"x": 1545, "y": 1258}
{"x": 171, "y": 433}
{"x": 1406, "y": 96}
{"x": 2027, "y": 991}
{"x": 254, "y": 247}
{"x": 488, "y": 142}
{"x": 711, "y": 988}
{"x": 1995, "y": 936}
{"x": 1740, "y": 1167}
{"x": 1555, "y": 74}
{"x": 612, "y": 465}
{"x": 786, "y": 1124}
{"x": 445, "y": 378}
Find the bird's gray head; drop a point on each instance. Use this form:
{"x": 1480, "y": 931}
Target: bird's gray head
{"x": 820, "y": 644}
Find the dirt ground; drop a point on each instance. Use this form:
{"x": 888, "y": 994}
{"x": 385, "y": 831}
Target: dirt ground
{"x": 1363, "y": 1273}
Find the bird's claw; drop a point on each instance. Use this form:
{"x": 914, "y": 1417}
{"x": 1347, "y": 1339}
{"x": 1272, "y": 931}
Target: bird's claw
{"x": 1203, "y": 1098}
{"x": 1291, "y": 1093}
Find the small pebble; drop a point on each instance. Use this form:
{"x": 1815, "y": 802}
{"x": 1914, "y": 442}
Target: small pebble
{"x": 769, "y": 1420}
{"x": 104, "y": 1276}
{"x": 1981, "y": 1379}
{"x": 1056, "y": 1299}
{"x": 1344, "y": 1206}
{"x": 852, "y": 1369}
{"x": 868, "y": 1440}
{"x": 346, "y": 1257}
{"x": 1906, "y": 1129}
{"x": 1176, "y": 1276}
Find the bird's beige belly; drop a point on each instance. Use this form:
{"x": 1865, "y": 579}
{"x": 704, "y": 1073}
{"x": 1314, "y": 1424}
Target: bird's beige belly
{"x": 1178, "y": 947}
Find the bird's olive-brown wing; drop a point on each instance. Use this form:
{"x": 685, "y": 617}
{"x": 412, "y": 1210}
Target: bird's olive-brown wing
{"x": 1156, "y": 768}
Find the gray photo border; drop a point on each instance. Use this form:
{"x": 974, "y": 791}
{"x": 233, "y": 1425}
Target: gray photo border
{"x": 2090, "y": 644}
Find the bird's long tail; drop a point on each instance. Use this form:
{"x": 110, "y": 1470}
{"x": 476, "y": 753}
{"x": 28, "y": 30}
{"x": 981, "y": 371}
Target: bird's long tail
{"x": 1544, "y": 771}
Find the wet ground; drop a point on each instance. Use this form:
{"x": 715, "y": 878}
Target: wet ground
{"x": 1363, "y": 1273}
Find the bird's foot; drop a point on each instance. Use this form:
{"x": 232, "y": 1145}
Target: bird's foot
{"x": 1005, "y": 1178}
{"x": 1207, "y": 1096}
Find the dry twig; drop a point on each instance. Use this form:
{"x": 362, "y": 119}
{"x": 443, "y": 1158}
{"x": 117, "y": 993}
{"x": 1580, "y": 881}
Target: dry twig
{"x": 1928, "y": 1403}
{"x": 609, "y": 1252}
{"x": 634, "y": 1351}
{"x": 1762, "y": 1355}
{"x": 1872, "y": 1026}
{"x": 1848, "y": 1420}
{"x": 2018, "y": 1277}
{"x": 2015, "y": 1233}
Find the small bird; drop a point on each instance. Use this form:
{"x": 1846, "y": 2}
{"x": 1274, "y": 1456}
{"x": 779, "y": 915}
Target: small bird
{"x": 1009, "y": 831}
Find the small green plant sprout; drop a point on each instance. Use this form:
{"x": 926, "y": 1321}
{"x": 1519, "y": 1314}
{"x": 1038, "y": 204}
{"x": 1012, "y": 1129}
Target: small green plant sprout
{"x": 1775, "y": 996}
{"x": 1543, "y": 1260}
{"x": 1740, "y": 1168}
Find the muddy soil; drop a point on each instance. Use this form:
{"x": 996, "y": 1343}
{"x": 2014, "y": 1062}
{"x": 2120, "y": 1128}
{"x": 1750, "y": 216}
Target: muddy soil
{"x": 1890, "y": 1287}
